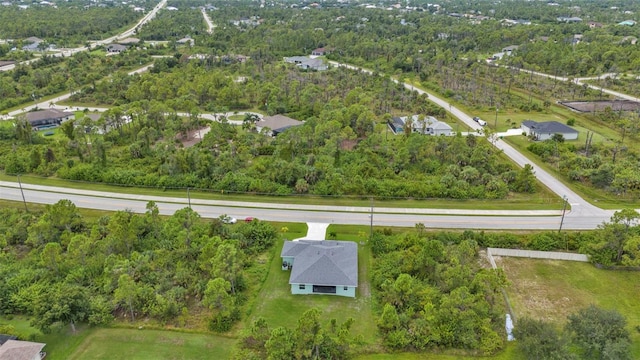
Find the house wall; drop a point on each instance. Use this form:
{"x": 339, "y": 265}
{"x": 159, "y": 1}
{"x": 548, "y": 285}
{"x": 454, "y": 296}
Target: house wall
{"x": 525, "y": 129}
{"x": 295, "y": 289}
{"x": 288, "y": 259}
{"x": 350, "y": 292}
{"x": 442, "y": 132}
{"x": 308, "y": 289}
{"x": 547, "y": 136}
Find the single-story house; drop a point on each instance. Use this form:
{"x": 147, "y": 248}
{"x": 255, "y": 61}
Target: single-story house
{"x": 49, "y": 118}
{"x": 32, "y": 44}
{"x": 307, "y": 63}
{"x": 277, "y": 124}
{"x": 627, "y": 23}
{"x": 321, "y": 266}
{"x": 594, "y": 25}
{"x": 545, "y": 130}
{"x": 427, "y": 125}
{"x": 116, "y": 48}
{"x": 572, "y": 19}
{"x": 22, "y": 350}
{"x": 186, "y": 40}
{"x": 320, "y": 52}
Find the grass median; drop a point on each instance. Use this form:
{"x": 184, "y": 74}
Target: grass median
{"x": 543, "y": 200}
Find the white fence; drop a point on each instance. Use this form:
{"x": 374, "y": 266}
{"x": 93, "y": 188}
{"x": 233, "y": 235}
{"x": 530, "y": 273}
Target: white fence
{"x": 534, "y": 254}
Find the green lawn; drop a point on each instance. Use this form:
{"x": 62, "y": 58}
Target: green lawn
{"x": 131, "y": 344}
{"x": 121, "y": 343}
{"x": 60, "y": 342}
{"x": 280, "y": 308}
{"x": 551, "y": 290}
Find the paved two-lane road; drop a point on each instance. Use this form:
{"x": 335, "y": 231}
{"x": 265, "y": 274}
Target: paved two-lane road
{"x": 452, "y": 219}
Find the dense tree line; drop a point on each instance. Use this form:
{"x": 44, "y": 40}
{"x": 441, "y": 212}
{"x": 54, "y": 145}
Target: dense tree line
{"x": 610, "y": 166}
{"x": 590, "y": 333}
{"x": 66, "y": 25}
{"x": 59, "y": 267}
{"x": 434, "y": 295}
{"x": 172, "y": 25}
{"x": 310, "y": 339}
{"x": 54, "y": 75}
{"x": 338, "y": 141}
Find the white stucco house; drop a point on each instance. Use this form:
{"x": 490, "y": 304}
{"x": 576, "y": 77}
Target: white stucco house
{"x": 545, "y": 130}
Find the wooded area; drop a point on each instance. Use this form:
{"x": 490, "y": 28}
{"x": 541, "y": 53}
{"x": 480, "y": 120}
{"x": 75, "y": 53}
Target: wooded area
{"x": 430, "y": 290}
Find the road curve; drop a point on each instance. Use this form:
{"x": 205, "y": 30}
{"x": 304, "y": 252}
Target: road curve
{"x": 579, "y": 206}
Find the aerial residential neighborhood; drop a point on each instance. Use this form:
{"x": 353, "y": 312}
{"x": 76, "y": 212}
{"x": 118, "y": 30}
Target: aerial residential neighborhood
{"x": 319, "y": 180}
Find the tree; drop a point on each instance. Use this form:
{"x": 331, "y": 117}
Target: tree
{"x": 526, "y": 180}
{"x": 600, "y": 333}
{"x": 227, "y": 264}
{"x": 280, "y": 344}
{"x": 539, "y": 340}
{"x": 617, "y": 232}
{"x": 308, "y": 335}
{"x": 216, "y": 297}
{"x": 126, "y": 293}
{"x": 66, "y": 303}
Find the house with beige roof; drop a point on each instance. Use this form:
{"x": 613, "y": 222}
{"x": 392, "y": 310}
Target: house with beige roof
{"x": 21, "y": 350}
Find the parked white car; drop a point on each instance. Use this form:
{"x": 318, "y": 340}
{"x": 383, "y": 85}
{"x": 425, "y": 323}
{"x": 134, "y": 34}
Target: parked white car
{"x": 228, "y": 219}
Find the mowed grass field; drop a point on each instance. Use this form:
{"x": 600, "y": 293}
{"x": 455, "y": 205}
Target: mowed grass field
{"x": 551, "y": 290}
{"x": 124, "y": 343}
{"x": 132, "y": 344}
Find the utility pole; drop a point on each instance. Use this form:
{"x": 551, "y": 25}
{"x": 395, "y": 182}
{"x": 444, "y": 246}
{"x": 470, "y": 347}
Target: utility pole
{"x": 564, "y": 209}
{"x": 22, "y": 192}
{"x": 371, "y": 219}
{"x": 495, "y": 124}
{"x": 189, "y": 197}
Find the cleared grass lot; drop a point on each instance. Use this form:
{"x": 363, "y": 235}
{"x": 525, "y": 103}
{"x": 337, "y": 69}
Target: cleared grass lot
{"x": 133, "y": 344}
{"x": 550, "y": 290}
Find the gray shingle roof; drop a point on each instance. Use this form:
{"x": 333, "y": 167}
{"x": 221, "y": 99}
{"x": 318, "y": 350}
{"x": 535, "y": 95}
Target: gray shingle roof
{"x": 549, "y": 127}
{"x": 47, "y": 114}
{"x": 323, "y": 262}
{"x": 278, "y": 123}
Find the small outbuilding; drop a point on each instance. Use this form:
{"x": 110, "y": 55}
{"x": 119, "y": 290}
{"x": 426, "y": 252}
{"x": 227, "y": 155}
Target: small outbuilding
{"x": 545, "y": 130}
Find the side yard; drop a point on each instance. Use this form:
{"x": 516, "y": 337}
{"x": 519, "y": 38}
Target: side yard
{"x": 551, "y": 289}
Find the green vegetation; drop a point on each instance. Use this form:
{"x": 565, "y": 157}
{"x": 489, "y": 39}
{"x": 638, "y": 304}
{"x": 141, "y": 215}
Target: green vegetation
{"x": 536, "y": 291}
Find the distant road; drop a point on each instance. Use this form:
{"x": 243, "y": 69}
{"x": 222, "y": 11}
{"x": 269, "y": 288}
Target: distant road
{"x": 207, "y": 19}
{"x": 579, "y": 206}
{"x": 580, "y": 81}
{"x": 52, "y": 102}
{"x": 127, "y": 33}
